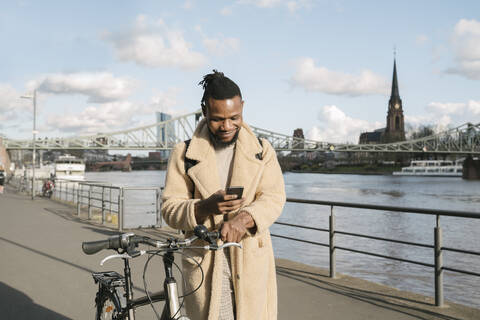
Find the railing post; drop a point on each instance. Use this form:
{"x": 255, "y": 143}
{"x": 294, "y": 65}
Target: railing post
{"x": 438, "y": 265}
{"x": 332, "y": 244}
{"x": 89, "y": 200}
{"x": 157, "y": 208}
{"x": 103, "y": 205}
{"x": 79, "y": 188}
{"x": 120, "y": 209}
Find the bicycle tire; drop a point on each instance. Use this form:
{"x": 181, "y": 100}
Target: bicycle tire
{"x": 106, "y": 306}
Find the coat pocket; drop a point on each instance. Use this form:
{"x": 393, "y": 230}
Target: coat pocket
{"x": 256, "y": 246}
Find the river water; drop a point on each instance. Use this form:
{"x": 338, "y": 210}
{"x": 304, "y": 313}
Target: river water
{"x": 418, "y": 192}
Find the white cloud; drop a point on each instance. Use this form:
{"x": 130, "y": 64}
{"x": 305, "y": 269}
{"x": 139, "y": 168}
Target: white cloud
{"x": 471, "y": 107}
{"x": 117, "y": 114}
{"x": 154, "y": 44}
{"x": 163, "y": 102}
{"x": 439, "y": 123}
{"x": 474, "y": 107}
{"x": 291, "y": 5}
{"x": 320, "y": 79}
{"x": 219, "y": 45}
{"x": 97, "y": 86}
{"x": 336, "y": 127}
{"x": 226, "y": 11}
{"x": 93, "y": 119}
{"x": 446, "y": 108}
{"x": 444, "y": 115}
{"x": 10, "y": 99}
{"x": 466, "y": 45}
{"x": 262, "y": 3}
{"x": 11, "y": 104}
{"x": 421, "y": 39}
{"x": 222, "y": 45}
{"x": 187, "y": 5}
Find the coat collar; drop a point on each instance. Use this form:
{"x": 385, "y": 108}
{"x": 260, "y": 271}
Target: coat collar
{"x": 201, "y": 145}
{"x": 205, "y": 173}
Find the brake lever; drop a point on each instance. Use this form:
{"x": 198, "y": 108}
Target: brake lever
{"x": 123, "y": 256}
{"x": 223, "y": 246}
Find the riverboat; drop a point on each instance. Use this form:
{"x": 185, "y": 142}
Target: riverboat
{"x": 432, "y": 168}
{"x": 70, "y": 168}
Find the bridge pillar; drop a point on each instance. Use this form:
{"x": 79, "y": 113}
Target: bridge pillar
{"x": 471, "y": 169}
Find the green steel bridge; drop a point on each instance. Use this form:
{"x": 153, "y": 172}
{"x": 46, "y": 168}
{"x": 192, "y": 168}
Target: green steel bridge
{"x": 464, "y": 139}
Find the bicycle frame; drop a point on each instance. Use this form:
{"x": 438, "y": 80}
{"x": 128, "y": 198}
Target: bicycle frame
{"x": 171, "y": 310}
{"x": 125, "y": 244}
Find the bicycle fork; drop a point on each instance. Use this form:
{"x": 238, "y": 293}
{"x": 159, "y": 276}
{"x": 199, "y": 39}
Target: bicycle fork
{"x": 172, "y": 305}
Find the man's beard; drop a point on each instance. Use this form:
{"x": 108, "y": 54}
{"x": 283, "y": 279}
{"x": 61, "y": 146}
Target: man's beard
{"x": 220, "y": 143}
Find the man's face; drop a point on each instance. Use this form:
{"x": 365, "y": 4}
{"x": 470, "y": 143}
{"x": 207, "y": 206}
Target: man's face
{"x": 224, "y": 118}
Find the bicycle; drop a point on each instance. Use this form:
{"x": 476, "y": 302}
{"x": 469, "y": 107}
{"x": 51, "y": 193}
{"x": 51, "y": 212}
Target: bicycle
{"x": 114, "y": 298}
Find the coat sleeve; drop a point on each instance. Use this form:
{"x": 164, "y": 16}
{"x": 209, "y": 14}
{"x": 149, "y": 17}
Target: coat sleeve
{"x": 178, "y": 205}
{"x": 270, "y": 194}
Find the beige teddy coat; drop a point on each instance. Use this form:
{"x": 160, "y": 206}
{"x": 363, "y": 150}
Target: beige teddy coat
{"x": 253, "y": 267}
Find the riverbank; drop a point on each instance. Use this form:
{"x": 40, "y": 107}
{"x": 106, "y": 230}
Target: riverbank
{"x": 363, "y": 170}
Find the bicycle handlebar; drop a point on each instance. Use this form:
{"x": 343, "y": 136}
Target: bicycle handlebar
{"x": 129, "y": 240}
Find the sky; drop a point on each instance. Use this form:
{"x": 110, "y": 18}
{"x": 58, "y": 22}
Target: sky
{"x": 323, "y": 66}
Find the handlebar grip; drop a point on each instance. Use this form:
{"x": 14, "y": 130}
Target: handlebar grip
{"x": 91, "y": 247}
{"x": 202, "y": 232}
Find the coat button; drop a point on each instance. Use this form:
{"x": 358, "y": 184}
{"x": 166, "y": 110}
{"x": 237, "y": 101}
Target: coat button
{"x": 238, "y": 277}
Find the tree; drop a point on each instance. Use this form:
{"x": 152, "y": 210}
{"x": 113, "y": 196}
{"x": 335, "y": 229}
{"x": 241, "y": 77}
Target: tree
{"x": 420, "y": 132}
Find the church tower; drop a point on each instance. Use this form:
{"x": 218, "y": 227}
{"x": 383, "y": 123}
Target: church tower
{"x": 395, "y": 130}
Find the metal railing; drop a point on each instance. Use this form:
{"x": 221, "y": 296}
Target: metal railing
{"x": 99, "y": 199}
{"x": 24, "y": 184}
{"x": 107, "y": 199}
{"x": 437, "y": 246}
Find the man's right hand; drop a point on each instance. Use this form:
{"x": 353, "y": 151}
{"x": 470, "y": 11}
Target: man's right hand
{"x": 217, "y": 203}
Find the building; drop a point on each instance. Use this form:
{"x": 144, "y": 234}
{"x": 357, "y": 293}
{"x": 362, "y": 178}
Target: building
{"x": 298, "y": 143}
{"x": 372, "y": 137}
{"x": 165, "y": 134}
{"x": 395, "y": 129}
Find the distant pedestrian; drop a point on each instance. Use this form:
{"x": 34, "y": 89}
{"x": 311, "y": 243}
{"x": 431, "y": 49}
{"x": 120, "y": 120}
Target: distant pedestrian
{"x": 2, "y": 181}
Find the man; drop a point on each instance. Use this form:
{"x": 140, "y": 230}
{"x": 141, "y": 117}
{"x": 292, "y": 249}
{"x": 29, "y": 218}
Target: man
{"x": 239, "y": 283}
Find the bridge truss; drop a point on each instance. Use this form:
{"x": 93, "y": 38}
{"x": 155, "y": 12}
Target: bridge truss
{"x": 464, "y": 139}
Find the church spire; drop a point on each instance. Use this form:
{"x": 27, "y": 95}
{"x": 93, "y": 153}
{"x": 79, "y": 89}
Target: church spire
{"x": 395, "y": 95}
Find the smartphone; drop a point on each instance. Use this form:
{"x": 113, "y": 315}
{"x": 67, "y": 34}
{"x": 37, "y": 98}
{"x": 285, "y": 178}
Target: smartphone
{"x": 235, "y": 190}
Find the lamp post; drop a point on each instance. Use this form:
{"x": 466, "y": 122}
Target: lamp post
{"x": 34, "y": 98}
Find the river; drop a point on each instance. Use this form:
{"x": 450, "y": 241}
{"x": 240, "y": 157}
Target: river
{"x": 419, "y": 192}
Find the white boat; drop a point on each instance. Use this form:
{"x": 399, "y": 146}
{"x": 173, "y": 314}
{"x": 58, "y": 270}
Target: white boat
{"x": 70, "y": 168}
{"x": 433, "y": 168}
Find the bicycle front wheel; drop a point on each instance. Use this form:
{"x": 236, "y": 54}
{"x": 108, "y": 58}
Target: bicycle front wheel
{"x": 107, "y": 306}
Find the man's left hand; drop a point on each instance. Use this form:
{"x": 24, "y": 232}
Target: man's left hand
{"x": 234, "y": 230}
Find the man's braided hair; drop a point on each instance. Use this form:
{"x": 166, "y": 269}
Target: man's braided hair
{"x": 217, "y": 86}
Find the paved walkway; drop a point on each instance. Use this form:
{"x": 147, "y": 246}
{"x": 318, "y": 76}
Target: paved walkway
{"x": 44, "y": 274}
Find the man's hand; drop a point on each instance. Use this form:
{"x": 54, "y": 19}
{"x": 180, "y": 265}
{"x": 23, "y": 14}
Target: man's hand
{"x": 234, "y": 230}
{"x": 217, "y": 203}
